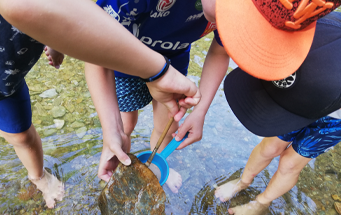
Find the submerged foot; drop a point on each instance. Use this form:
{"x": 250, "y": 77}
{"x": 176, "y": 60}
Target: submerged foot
{"x": 226, "y": 191}
{"x": 251, "y": 208}
{"x": 174, "y": 181}
{"x": 51, "y": 188}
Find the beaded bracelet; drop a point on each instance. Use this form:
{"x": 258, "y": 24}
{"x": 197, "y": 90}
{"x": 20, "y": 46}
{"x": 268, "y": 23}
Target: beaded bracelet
{"x": 160, "y": 74}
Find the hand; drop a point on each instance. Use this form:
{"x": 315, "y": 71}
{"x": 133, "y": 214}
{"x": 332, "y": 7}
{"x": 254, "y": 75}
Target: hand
{"x": 55, "y": 58}
{"x": 172, "y": 86}
{"x": 193, "y": 124}
{"x": 114, "y": 151}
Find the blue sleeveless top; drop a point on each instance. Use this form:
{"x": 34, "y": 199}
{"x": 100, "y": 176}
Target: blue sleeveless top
{"x": 166, "y": 26}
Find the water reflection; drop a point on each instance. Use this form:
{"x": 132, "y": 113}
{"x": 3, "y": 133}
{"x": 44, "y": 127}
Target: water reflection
{"x": 72, "y": 141}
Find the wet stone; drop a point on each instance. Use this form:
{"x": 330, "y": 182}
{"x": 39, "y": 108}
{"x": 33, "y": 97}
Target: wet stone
{"x": 49, "y": 93}
{"x": 87, "y": 137}
{"x": 81, "y": 132}
{"x": 40, "y": 109}
{"x": 59, "y": 123}
{"x": 132, "y": 189}
{"x": 58, "y": 111}
{"x": 58, "y": 101}
{"x": 49, "y": 132}
{"x": 337, "y": 206}
{"x": 77, "y": 124}
{"x": 336, "y": 197}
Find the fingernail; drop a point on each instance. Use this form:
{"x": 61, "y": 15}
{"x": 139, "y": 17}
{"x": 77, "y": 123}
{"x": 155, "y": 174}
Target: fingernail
{"x": 127, "y": 162}
{"x": 57, "y": 67}
{"x": 177, "y": 138}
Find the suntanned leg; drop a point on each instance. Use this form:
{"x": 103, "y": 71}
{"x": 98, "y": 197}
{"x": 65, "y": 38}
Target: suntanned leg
{"x": 160, "y": 116}
{"x": 129, "y": 120}
{"x": 28, "y": 148}
{"x": 285, "y": 178}
{"x": 260, "y": 158}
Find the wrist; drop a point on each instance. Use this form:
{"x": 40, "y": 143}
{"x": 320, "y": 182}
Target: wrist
{"x": 200, "y": 110}
{"x": 159, "y": 74}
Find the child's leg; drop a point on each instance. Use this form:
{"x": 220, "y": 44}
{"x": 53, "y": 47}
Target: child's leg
{"x": 285, "y": 178}
{"x": 129, "y": 120}
{"x": 160, "y": 115}
{"x": 27, "y": 146}
{"x": 16, "y": 127}
{"x": 260, "y": 158}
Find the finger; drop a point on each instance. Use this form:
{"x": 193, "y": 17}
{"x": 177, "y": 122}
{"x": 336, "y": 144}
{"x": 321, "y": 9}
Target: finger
{"x": 102, "y": 172}
{"x": 192, "y": 101}
{"x": 178, "y": 116}
{"x": 104, "y": 177}
{"x": 120, "y": 154}
{"x": 106, "y": 167}
{"x": 188, "y": 141}
{"x": 183, "y": 104}
{"x": 192, "y": 91}
{"x": 182, "y": 131}
{"x": 172, "y": 107}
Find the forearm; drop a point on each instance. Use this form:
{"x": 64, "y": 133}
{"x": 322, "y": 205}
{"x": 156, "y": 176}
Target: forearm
{"x": 101, "y": 84}
{"x": 214, "y": 70}
{"x": 83, "y": 30}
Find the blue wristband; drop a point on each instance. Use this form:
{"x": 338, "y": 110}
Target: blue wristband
{"x": 160, "y": 74}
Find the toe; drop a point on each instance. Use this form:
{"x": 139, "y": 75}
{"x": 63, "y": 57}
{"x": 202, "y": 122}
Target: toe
{"x": 50, "y": 203}
{"x": 217, "y": 193}
{"x": 222, "y": 199}
{"x": 60, "y": 197}
{"x": 230, "y": 210}
{"x": 175, "y": 190}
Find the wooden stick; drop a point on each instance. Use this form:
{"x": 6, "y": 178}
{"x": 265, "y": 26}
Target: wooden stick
{"x": 162, "y": 137}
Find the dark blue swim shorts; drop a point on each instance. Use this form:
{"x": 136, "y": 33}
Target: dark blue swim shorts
{"x": 316, "y": 138}
{"x": 132, "y": 94}
{"x": 15, "y": 111}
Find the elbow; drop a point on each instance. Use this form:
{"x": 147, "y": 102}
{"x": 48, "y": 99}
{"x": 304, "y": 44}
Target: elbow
{"x": 16, "y": 12}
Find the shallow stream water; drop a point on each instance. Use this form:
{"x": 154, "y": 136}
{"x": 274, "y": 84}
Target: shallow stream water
{"x": 66, "y": 120}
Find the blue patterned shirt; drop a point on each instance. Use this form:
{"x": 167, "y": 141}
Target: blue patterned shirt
{"x": 18, "y": 54}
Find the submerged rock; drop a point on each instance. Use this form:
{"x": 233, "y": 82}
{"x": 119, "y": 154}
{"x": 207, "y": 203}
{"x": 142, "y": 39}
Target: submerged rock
{"x": 337, "y": 206}
{"x": 49, "y": 93}
{"x": 59, "y": 123}
{"x": 336, "y": 197}
{"x": 58, "y": 111}
{"x": 81, "y": 132}
{"x": 132, "y": 189}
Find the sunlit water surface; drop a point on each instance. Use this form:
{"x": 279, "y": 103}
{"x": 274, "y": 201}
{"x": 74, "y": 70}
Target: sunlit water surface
{"x": 72, "y": 153}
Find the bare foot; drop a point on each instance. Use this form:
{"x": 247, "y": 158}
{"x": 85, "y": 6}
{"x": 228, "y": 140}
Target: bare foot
{"x": 226, "y": 191}
{"x": 251, "y": 208}
{"x": 55, "y": 58}
{"x": 174, "y": 181}
{"x": 51, "y": 188}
